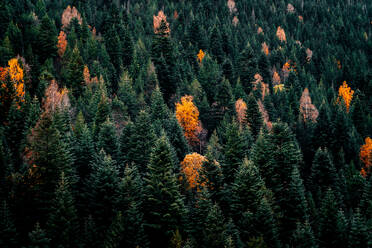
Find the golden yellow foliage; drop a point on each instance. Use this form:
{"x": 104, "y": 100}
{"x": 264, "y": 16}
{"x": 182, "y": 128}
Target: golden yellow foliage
{"x": 187, "y": 115}
{"x": 346, "y": 93}
{"x": 366, "y": 156}
{"x": 191, "y": 167}
{"x": 15, "y": 74}
{"x": 279, "y": 87}
{"x": 200, "y": 56}
{"x": 241, "y": 109}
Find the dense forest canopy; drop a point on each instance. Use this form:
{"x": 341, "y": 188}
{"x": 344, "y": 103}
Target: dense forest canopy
{"x": 226, "y": 123}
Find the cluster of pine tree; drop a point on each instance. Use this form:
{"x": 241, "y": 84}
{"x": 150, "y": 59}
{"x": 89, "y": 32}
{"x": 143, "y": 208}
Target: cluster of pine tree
{"x": 185, "y": 123}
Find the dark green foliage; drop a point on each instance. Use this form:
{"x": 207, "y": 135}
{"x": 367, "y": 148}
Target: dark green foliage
{"x": 38, "y": 238}
{"x": 107, "y": 139}
{"x": 74, "y": 72}
{"x": 328, "y": 220}
{"x": 253, "y": 116}
{"x": 63, "y": 220}
{"x": 8, "y": 232}
{"x": 47, "y": 39}
{"x": 247, "y": 68}
{"x": 163, "y": 203}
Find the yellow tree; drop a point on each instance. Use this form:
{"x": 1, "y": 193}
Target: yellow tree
{"x": 241, "y": 109}
{"x": 191, "y": 167}
{"x": 346, "y": 93}
{"x": 188, "y": 117}
{"x": 200, "y": 56}
{"x": 12, "y": 84}
{"x": 366, "y": 156}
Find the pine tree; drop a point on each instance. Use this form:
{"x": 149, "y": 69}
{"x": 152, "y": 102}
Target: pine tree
{"x": 8, "y": 232}
{"x": 127, "y": 95}
{"x": 328, "y": 220}
{"x": 107, "y": 139}
{"x": 303, "y": 237}
{"x": 47, "y": 39}
{"x": 38, "y": 238}
{"x": 114, "y": 234}
{"x": 101, "y": 191}
{"x": 233, "y": 152}
{"x": 323, "y": 173}
{"x": 163, "y": 203}
{"x": 74, "y": 71}
{"x": 247, "y": 68}
{"x": 358, "y": 236}
{"x": 253, "y": 116}
{"x": 214, "y": 228}
{"x": 63, "y": 220}
{"x": 341, "y": 230}
{"x": 137, "y": 140}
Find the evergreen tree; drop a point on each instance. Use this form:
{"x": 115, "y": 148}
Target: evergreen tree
{"x": 163, "y": 203}
{"x": 8, "y": 232}
{"x": 358, "y": 236}
{"x": 253, "y": 116}
{"x": 38, "y": 238}
{"x": 303, "y": 237}
{"x": 107, "y": 139}
{"x": 247, "y": 68}
{"x": 63, "y": 220}
{"x": 47, "y": 39}
{"x": 74, "y": 71}
{"x": 214, "y": 229}
{"x": 328, "y": 220}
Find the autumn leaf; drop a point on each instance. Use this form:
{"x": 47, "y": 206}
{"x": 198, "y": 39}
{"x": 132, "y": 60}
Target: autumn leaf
{"x": 240, "y": 109}
{"x": 366, "y": 156}
{"x": 55, "y": 99}
{"x": 307, "y": 109}
{"x": 346, "y": 93}
{"x": 62, "y": 43}
{"x": 200, "y": 56}
{"x": 265, "y": 48}
{"x": 281, "y": 34}
{"x": 157, "y": 21}
{"x": 68, "y": 14}
{"x": 191, "y": 167}
{"x": 187, "y": 115}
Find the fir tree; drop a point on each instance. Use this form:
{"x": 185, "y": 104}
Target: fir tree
{"x": 8, "y": 232}
{"x": 47, "y": 39}
{"x": 163, "y": 203}
{"x": 253, "y": 116}
{"x": 63, "y": 220}
{"x": 38, "y": 238}
{"x": 247, "y": 68}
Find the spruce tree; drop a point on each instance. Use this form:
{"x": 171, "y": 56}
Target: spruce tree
{"x": 247, "y": 68}
{"x": 253, "y": 116}
{"x": 328, "y": 220}
{"x": 359, "y": 234}
{"x": 214, "y": 228}
{"x": 38, "y": 238}
{"x": 303, "y": 237}
{"x": 63, "y": 220}
{"x": 8, "y": 232}
{"x": 163, "y": 202}
{"x": 74, "y": 73}
{"x": 47, "y": 39}
{"x": 107, "y": 139}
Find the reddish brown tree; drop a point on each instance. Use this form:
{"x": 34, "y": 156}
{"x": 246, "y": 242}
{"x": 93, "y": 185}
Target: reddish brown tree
{"x": 307, "y": 109}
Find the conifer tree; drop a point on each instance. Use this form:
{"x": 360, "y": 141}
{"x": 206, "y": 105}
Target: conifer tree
{"x": 253, "y": 116}
{"x": 247, "y": 68}
{"x": 303, "y": 237}
{"x": 107, "y": 139}
{"x": 74, "y": 71}
{"x": 358, "y": 236}
{"x": 163, "y": 203}
{"x": 214, "y": 228}
{"x": 47, "y": 39}
{"x": 327, "y": 220}
{"x": 8, "y": 232}
{"x": 63, "y": 220}
{"x": 38, "y": 238}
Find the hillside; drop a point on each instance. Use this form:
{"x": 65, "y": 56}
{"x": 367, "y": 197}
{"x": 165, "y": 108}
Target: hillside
{"x": 219, "y": 124}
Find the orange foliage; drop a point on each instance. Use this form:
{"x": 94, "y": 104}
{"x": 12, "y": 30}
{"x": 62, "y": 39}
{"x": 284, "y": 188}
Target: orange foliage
{"x": 157, "y": 20}
{"x": 346, "y": 93}
{"x": 62, "y": 43}
{"x": 200, "y": 56}
{"x": 366, "y": 156}
{"x": 241, "y": 109}
{"x": 86, "y": 74}
{"x": 55, "y": 99}
{"x": 68, "y": 14}
{"x": 339, "y": 66}
{"x": 188, "y": 117}
{"x": 300, "y": 18}
{"x": 15, "y": 73}
{"x": 259, "y": 82}
{"x": 175, "y": 15}
{"x": 281, "y": 34}
{"x": 288, "y": 67}
{"x": 276, "y": 78}
{"x": 307, "y": 109}
{"x": 265, "y": 48}
{"x": 190, "y": 167}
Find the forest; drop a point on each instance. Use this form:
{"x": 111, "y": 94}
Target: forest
{"x": 185, "y": 124}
